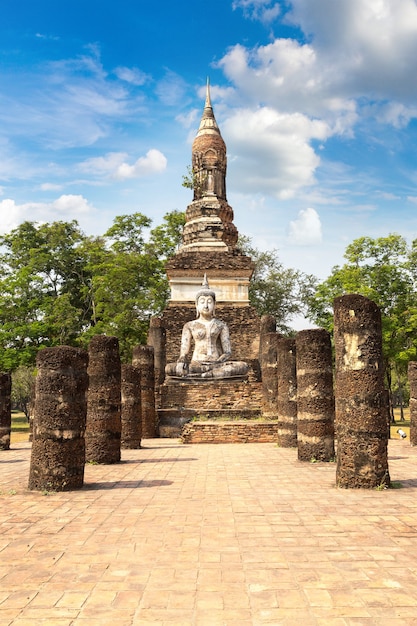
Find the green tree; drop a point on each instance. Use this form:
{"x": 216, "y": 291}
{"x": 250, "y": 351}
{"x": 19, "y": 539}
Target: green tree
{"x": 275, "y": 290}
{"x": 58, "y": 286}
{"x": 384, "y": 270}
{"x": 128, "y": 277}
{"x": 23, "y": 381}
{"x": 41, "y": 275}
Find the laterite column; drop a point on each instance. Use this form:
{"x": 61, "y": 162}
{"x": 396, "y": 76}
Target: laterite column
{"x": 104, "y": 424}
{"x": 157, "y": 339}
{"x": 58, "y": 448}
{"x": 143, "y": 358}
{"x": 412, "y": 379}
{"x": 315, "y": 397}
{"x": 287, "y": 393}
{"x": 269, "y": 375}
{"x": 5, "y": 411}
{"x": 131, "y": 407}
{"x": 361, "y": 401}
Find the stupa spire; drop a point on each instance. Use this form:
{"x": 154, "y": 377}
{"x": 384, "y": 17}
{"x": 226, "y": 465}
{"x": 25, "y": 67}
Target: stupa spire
{"x": 208, "y": 124}
{"x": 209, "y": 218}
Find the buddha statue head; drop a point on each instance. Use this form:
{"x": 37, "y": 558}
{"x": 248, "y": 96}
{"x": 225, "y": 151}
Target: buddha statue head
{"x": 205, "y": 299}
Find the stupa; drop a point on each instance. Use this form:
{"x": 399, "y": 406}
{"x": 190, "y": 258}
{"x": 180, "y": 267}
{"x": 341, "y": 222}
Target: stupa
{"x": 209, "y": 247}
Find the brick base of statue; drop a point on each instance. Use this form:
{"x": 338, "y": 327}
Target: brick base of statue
{"x": 239, "y": 431}
{"x": 5, "y": 411}
{"x": 58, "y": 448}
{"x": 228, "y": 399}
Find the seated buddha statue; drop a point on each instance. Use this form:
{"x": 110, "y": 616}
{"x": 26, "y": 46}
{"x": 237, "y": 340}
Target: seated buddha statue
{"x": 212, "y": 351}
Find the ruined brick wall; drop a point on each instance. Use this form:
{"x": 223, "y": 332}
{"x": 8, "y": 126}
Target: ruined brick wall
{"x": 230, "y": 432}
{"x": 195, "y": 263}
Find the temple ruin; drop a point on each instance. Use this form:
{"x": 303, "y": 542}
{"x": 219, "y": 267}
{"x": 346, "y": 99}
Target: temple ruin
{"x": 209, "y": 247}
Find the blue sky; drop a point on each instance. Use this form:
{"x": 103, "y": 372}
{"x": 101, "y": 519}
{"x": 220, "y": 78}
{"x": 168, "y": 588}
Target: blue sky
{"x": 316, "y": 101}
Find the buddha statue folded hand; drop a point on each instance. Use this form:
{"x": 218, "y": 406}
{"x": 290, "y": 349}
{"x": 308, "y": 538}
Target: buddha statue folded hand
{"x": 212, "y": 351}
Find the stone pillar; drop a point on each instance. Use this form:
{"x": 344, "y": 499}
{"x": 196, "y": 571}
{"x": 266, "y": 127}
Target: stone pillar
{"x": 58, "y": 449}
{"x": 157, "y": 339}
{"x": 143, "y": 358}
{"x": 267, "y": 325}
{"x": 315, "y": 397}
{"x": 104, "y": 424}
{"x": 5, "y": 411}
{"x": 131, "y": 407}
{"x": 412, "y": 379}
{"x": 361, "y": 401}
{"x": 269, "y": 375}
{"x": 287, "y": 393}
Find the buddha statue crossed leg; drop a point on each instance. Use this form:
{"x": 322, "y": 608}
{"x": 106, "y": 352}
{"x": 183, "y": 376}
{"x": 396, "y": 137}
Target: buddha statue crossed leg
{"x": 211, "y": 355}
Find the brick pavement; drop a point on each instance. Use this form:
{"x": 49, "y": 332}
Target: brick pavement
{"x": 208, "y": 535}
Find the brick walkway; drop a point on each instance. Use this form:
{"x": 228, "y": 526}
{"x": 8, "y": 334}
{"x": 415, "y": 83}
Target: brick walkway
{"x": 208, "y": 535}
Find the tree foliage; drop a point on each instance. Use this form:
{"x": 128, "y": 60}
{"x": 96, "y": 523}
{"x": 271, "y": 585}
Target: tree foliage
{"x": 275, "y": 290}
{"x": 385, "y": 270}
{"x": 58, "y": 286}
{"x": 23, "y": 382}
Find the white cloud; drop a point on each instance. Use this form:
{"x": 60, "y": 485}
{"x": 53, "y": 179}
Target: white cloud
{"x": 66, "y": 207}
{"x": 103, "y": 166}
{"x": 172, "y": 89}
{"x": 306, "y": 229}
{"x": 66, "y": 103}
{"x": 356, "y": 50}
{"x": 354, "y": 68}
{"x": 133, "y": 75}
{"x": 264, "y": 10}
{"x": 50, "y": 187}
{"x": 114, "y": 165}
{"x": 370, "y": 44}
{"x": 272, "y": 150}
{"x": 152, "y": 163}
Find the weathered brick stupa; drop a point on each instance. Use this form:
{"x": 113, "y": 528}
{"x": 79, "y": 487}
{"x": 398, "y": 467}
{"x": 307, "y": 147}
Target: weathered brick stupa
{"x": 208, "y": 248}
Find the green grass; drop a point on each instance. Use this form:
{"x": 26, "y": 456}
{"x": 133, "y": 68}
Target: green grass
{"x": 20, "y": 428}
{"x": 404, "y": 425}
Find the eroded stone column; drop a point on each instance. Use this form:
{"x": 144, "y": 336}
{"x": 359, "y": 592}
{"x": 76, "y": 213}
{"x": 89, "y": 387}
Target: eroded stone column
{"x": 157, "y": 339}
{"x": 131, "y": 407}
{"x": 143, "y": 358}
{"x": 5, "y": 410}
{"x": 361, "y": 401}
{"x": 104, "y": 425}
{"x": 58, "y": 448}
{"x": 315, "y": 397}
{"x": 287, "y": 393}
{"x": 412, "y": 379}
{"x": 269, "y": 375}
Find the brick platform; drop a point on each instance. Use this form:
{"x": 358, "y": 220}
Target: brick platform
{"x": 230, "y": 432}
